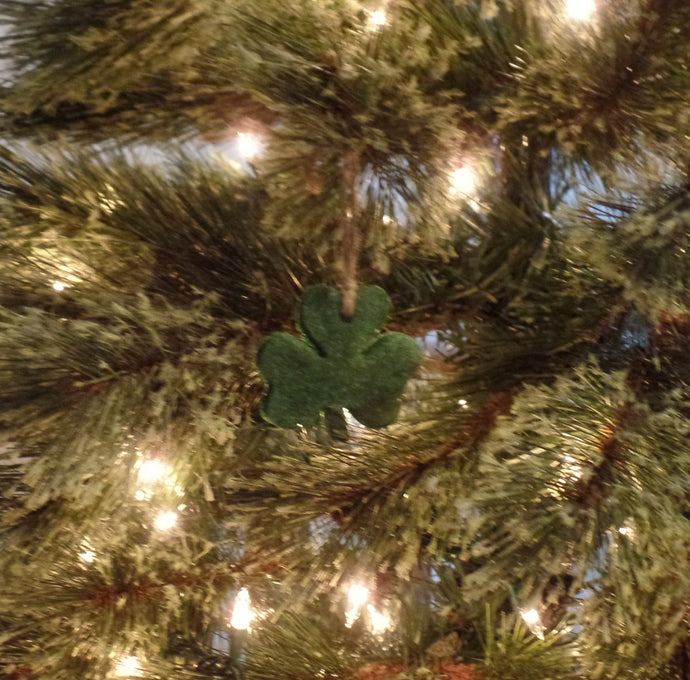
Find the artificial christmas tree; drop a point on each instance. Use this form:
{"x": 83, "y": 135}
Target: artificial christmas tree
{"x": 184, "y": 493}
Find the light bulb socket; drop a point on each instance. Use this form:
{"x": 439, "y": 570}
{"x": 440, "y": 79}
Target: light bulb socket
{"x": 238, "y": 642}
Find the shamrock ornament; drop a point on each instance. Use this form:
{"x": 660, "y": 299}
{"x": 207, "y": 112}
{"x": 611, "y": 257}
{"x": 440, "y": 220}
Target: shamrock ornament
{"x": 339, "y": 363}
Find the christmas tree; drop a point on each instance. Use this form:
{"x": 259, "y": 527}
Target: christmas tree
{"x": 345, "y": 339}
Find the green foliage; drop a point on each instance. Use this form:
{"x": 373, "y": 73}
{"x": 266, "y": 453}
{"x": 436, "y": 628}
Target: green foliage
{"x": 645, "y": 252}
{"x": 511, "y": 652}
{"x": 134, "y": 295}
{"x": 564, "y": 486}
{"x": 342, "y": 363}
{"x": 337, "y": 85}
{"x": 327, "y": 652}
{"x": 114, "y": 48}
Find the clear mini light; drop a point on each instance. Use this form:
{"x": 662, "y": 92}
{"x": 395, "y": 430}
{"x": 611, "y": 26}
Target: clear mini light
{"x": 531, "y": 617}
{"x": 377, "y": 19}
{"x": 248, "y": 145}
{"x": 580, "y": 10}
{"x": 165, "y": 520}
{"x": 87, "y": 556}
{"x": 463, "y": 181}
{"x": 59, "y": 286}
{"x": 242, "y": 611}
{"x": 533, "y": 620}
{"x": 153, "y": 471}
{"x": 128, "y": 667}
{"x": 379, "y": 622}
{"x": 628, "y": 529}
{"x": 357, "y": 596}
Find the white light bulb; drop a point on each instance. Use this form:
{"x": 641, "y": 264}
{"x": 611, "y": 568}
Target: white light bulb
{"x": 153, "y": 471}
{"x": 387, "y": 219}
{"x": 463, "y": 181}
{"x": 59, "y": 286}
{"x": 531, "y": 617}
{"x": 380, "y": 622}
{"x": 87, "y": 556}
{"x": 580, "y": 10}
{"x": 128, "y": 667}
{"x": 165, "y": 520}
{"x": 242, "y": 612}
{"x": 628, "y": 529}
{"x": 377, "y": 19}
{"x": 357, "y": 597}
{"x": 248, "y": 145}
{"x": 533, "y": 620}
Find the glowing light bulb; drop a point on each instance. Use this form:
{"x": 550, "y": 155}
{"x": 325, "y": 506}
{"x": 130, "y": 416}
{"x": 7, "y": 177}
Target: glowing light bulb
{"x": 377, "y": 19}
{"x": 128, "y": 667}
{"x": 357, "y": 597}
{"x": 531, "y": 617}
{"x": 580, "y": 10}
{"x": 387, "y": 219}
{"x": 248, "y": 145}
{"x": 165, "y": 520}
{"x": 533, "y": 620}
{"x": 463, "y": 181}
{"x": 242, "y": 612}
{"x": 463, "y": 403}
{"x": 628, "y": 529}
{"x": 153, "y": 471}
{"x": 87, "y": 556}
{"x": 379, "y": 622}
{"x": 59, "y": 286}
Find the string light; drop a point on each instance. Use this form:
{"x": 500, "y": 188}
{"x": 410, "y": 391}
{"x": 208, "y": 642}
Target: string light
{"x": 379, "y": 622}
{"x": 242, "y": 614}
{"x": 87, "y": 556}
{"x": 165, "y": 520}
{"x": 62, "y": 268}
{"x": 628, "y": 529}
{"x": 377, "y": 19}
{"x": 531, "y": 617}
{"x": 463, "y": 181}
{"x": 248, "y": 145}
{"x": 357, "y": 596}
{"x": 156, "y": 475}
{"x": 387, "y": 219}
{"x": 533, "y": 620}
{"x": 580, "y": 10}
{"x": 153, "y": 471}
{"x": 128, "y": 667}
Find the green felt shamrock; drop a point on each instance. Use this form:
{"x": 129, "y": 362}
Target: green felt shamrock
{"x": 339, "y": 363}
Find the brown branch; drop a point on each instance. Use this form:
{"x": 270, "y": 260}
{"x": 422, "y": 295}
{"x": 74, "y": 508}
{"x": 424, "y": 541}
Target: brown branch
{"x": 107, "y": 595}
{"x": 412, "y": 469}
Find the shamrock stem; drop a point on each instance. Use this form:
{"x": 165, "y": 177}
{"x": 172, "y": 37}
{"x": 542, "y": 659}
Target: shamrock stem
{"x": 351, "y": 237}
